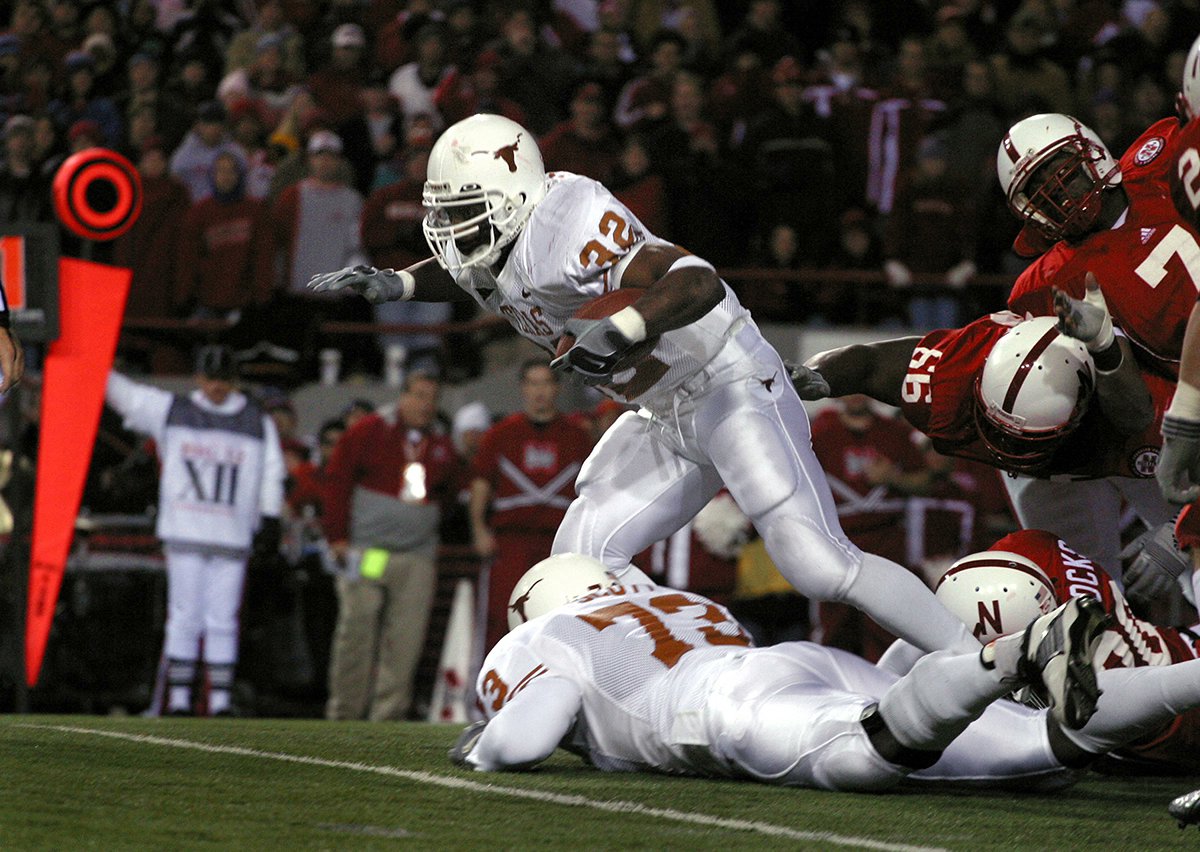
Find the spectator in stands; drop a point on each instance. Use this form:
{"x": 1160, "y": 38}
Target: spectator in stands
{"x": 385, "y": 130}
{"x": 602, "y": 62}
{"x": 585, "y": 143}
{"x": 145, "y": 91}
{"x": 357, "y": 410}
{"x": 640, "y": 188}
{"x": 763, "y": 32}
{"x": 334, "y": 86}
{"x": 523, "y": 479}
{"x": 415, "y": 83}
{"x": 465, "y": 33}
{"x": 789, "y": 158}
{"x": 24, "y": 191}
{"x": 191, "y": 79}
{"x": 226, "y": 253}
{"x": 1027, "y": 81}
{"x": 149, "y": 247}
{"x": 931, "y": 231}
{"x": 80, "y": 99}
{"x": 103, "y": 50}
{"x": 387, "y": 479}
{"x": 645, "y": 101}
{"x": 249, "y": 130}
{"x": 392, "y": 238}
{"x": 686, "y": 150}
{"x": 271, "y": 20}
{"x": 266, "y": 80}
{"x": 534, "y": 74}
{"x": 872, "y": 463}
{"x": 49, "y": 147}
{"x": 193, "y": 159}
{"x": 311, "y": 478}
{"x": 315, "y": 220}
{"x": 741, "y": 92}
{"x": 461, "y": 94}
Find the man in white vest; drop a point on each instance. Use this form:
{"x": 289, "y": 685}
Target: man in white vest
{"x": 220, "y": 495}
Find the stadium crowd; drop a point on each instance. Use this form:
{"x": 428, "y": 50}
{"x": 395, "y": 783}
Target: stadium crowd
{"x": 279, "y": 138}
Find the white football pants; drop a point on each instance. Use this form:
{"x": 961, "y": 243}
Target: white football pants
{"x": 738, "y": 422}
{"x": 204, "y": 596}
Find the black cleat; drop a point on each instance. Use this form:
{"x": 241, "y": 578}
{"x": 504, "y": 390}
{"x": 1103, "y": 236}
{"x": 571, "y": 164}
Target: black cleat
{"x": 1057, "y": 654}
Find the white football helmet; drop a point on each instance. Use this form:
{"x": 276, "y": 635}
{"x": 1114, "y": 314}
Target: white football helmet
{"x": 485, "y": 176}
{"x": 1189, "y": 91}
{"x": 1032, "y": 392}
{"x": 1067, "y": 201}
{"x": 554, "y": 582}
{"x": 995, "y": 592}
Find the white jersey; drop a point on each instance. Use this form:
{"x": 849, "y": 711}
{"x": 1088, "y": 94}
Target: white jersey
{"x": 569, "y": 253}
{"x": 645, "y": 678}
{"x": 222, "y": 466}
{"x": 644, "y": 660}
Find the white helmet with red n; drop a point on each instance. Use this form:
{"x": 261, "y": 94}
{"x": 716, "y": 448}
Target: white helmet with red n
{"x": 1189, "y": 91}
{"x": 1032, "y": 392}
{"x": 1065, "y": 201}
{"x": 484, "y": 178}
{"x": 995, "y": 592}
{"x": 555, "y": 582}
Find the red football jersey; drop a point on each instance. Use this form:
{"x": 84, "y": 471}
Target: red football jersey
{"x": 1148, "y": 265}
{"x": 531, "y": 468}
{"x": 938, "y": 398}
{"x": 1183, "y": 175}
{"x": 1130, "y": 642}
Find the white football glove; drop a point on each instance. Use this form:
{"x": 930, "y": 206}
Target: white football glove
{"x": 599, "y": 346}
{"x": 1178, "y": 470}
{"x": 374, "y": 285}
{"x": 1085, "y": 319}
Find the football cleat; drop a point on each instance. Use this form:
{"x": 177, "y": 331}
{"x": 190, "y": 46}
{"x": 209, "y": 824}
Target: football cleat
{"x": 1186, "y": 809}
{"x": 1056, "y": 654}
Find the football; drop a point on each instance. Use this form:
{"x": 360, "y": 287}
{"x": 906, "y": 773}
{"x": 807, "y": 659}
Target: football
{"x": 605, "y": 306}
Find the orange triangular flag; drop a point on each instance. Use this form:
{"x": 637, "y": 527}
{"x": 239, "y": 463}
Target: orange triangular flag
{"x": 91, "y": 302}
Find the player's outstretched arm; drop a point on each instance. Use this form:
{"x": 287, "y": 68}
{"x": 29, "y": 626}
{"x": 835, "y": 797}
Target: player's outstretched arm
{"x": 422, "y": 282}
{"x": 529, "y": 727}
{"x": 875, "y": 369}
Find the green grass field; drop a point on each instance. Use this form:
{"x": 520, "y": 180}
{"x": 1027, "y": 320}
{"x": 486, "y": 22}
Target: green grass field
{"x": 88, "y": 782}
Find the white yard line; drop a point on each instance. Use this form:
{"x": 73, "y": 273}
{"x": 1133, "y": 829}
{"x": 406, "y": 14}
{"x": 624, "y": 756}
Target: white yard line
{"x": 455, "y": 783}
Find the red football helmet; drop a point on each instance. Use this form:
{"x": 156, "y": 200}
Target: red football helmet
{"x": 1054, "y": 171}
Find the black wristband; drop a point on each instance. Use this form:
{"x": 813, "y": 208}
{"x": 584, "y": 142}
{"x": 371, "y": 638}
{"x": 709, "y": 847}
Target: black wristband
{"x": 5, "y": 319}
{"x": 1108, "y": 359}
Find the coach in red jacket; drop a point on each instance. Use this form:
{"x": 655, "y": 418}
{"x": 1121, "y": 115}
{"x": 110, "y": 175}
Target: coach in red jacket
{"x": 387, "y": 479}
{"x": 525, "y": 472}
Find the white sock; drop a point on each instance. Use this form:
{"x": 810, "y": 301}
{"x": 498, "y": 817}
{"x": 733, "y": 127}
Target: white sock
{"x": 942, "y": 694}
{"x": 904, "y": 606}
{"x": 1137, "y": 702}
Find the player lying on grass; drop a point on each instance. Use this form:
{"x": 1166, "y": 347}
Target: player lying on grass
{"x": 637, "y": 677}
{"x": 1028, "y": 573}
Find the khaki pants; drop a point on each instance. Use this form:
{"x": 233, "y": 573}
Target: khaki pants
{"x": 379, "y": 636}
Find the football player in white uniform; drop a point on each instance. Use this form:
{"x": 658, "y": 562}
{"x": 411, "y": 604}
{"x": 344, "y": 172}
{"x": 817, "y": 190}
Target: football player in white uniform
{"x": 716, "y": 404}
{"x": 636, "y": 677}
